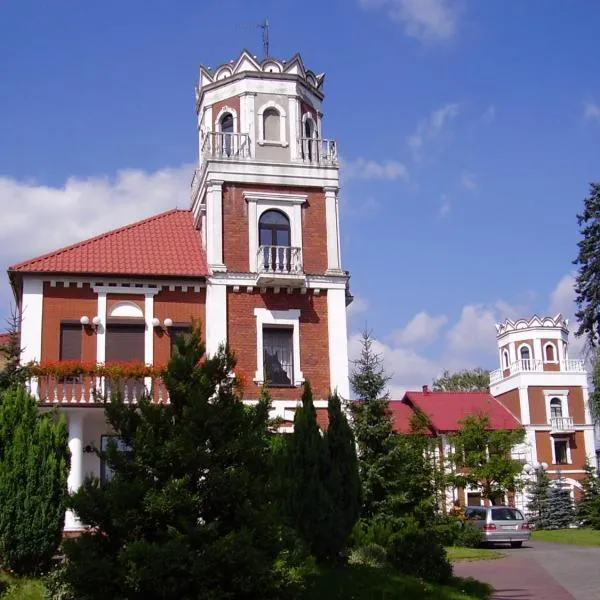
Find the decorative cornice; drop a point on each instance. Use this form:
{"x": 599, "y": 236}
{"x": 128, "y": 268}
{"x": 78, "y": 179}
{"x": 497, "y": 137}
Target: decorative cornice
{"x": 535, "y": 322}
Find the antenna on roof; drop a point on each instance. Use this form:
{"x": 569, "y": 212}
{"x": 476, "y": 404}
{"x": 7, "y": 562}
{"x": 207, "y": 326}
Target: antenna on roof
{"x": 265, "y": 36}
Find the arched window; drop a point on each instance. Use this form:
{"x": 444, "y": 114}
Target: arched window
{"x": 226, "y": 126}
{"x": 549, "y": 353}
{"x": 308, "y": 143}
{"x": 274, "y": 241}
{"x": 271, "y": 125}
{"x": 525, "y": 355}
{"x": 273, "y": 229}
{"x": 505, "y": 359}
{"x": 556, "y": 407}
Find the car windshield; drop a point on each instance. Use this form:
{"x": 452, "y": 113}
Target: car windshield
{"x": 506, "y": 514}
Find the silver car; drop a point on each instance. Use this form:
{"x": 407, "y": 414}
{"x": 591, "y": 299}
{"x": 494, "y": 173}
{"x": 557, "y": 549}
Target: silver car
{"x": 499, "y": 524}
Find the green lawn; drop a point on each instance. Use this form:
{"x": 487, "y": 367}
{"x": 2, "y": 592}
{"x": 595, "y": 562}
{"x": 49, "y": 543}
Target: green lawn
{"x": 12, "y": 588}
{"x": 581, "y": 537}
{"x": 469, "y": 554}
{"x": 368, "y": 583}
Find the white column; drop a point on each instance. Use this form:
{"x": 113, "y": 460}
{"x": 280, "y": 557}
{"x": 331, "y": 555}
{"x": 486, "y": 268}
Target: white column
{"x": 75, "y": 479}
{"x": 512, "y": 354}
{"x": 214, "y": 224}
{"x": 216, "y": 315}
{"x": 338, "y": 342}
{"x": 293, "y": 129}
{"x": 101, "y": 331}
{"x": 31, "y": 323}
{"x": 251, "y": 122}
{"x": 560, "y": 347}
{"x": 524, "y": 404}
{"x": 537, "y": 349}
{"x": 590, "y": 445}
{"x": 149, "y": 340}
{"x": 332, "y": 222}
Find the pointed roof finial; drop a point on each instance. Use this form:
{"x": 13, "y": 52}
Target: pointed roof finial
{"x": 265, "y": 37}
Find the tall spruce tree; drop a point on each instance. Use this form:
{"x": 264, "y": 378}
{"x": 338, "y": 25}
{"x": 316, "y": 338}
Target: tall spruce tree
{"x": 588, "y": 507}
{"x": 378, "y": 458}
{"x": 188, "y": 512}
{"x": 343, "y": 479}
{"x": 560, "y": 509}
{"x": 308, "y": 502}
{"x": 587, "y": 280}
{"x": 34, "y": 464}
{"x": 538, "y": 492}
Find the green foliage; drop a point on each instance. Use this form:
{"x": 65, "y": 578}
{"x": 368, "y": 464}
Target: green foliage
{"x": 594, "y": 396}
{"x": 538, "y": 507}
{"x": 560, "y": 505}
{"x": 371, "y": 555}
{"x": 342, "y": 481}
{"x": 483, "y": 457}
{"x": 12, "y": 373}
{"x": 451, "y": 531}
{"x": 55, "y": 586}
{"x": 587, "y": 280}
{"x": 387, "y": 461}
{"x": 414, "y": 551}
{"x": 468, "y": 380}
{"x": 588, "y": 507}
{"x": 34, "y": 463}
{"x": 189, "y": 510}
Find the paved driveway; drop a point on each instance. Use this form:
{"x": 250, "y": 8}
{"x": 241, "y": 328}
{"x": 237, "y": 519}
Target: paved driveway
{"x": 540, "y": 571}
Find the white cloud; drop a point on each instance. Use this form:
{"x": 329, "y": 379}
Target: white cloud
{"x": 468, "y": 181}
{"x": 431, "y": 127}
{"x": 591, "y": 111}
{"x": 474, "y": 331}
{"x": 425, "y": 20}
{"x": 562, "y": 300}
{"x": 38, "y": 218}
{"x": 421, "y": 329}
{"x": 361, "y": 168}
{"x": 489, "y": 114}
{"x": 359, "y": 305}
{"x": 445, "y": 207}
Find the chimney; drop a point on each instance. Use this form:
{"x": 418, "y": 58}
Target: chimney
{"x": 426, "y": 389}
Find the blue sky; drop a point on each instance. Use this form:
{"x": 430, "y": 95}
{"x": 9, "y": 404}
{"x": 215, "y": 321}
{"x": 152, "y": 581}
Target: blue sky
{"x": 469, "y": 133}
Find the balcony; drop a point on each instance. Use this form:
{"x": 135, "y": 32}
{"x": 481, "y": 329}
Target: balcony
{"x": 279, "y": 266}
{"x": 226, "y": 146}
{"x": 536, "y": 366}
{"x": 316, "y": 151}
{"x": 561, "y": 425}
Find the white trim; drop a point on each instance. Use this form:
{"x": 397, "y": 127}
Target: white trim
{"x": 338, "y": 342}
{"x": 590, "y": 445}
{"x": 128, "y": 309}
{"x": 31, "y": 311}
{"x": 260, "y": 202}
{"x": 531, "y": 355}
{"x": 524, "y": 405}
{"x": 282, "y": 141}
{"x": 308, "y": 117}
{"x": 294, "y": 123}
{"x": 227, "y": 109}
{"x": 123, "y": 289}
{"x": 561, "y": 439}
{"x": 214, "y": 226}
{"x": 285, "y": 318}
{"x": 333, "y": 230}
{"x": 215, "y": 316}
{"x": 149, "y": 333}
{"x": 101, "y": 330}
{"x": 562, "y": 395}
{"x": 75, "y": 477}
{"x": 505, "y": 359}
{"x": 554, "y": 353}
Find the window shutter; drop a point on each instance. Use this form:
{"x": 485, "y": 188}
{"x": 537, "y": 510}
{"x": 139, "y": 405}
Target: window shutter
{"x": 125, "y": 343}
{"x": 70, "y": 341}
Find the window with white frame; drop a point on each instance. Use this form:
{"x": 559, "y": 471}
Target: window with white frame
{"x": 270, "y": 212}
{"x": 278, "y": 347}
{"x": 550, "y": 353}
{"x": 557, "y": 404}
{"x": 561, "y": 451}
{"x": 505, "y": 359}
{"x": 525, "y": 356}
{"x": 272, "y": 124}
{"x": 556, "y": 408}
{"x": 106, "y": 473}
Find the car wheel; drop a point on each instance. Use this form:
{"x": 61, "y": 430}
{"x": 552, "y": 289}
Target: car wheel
{"x": 516, "y": 544}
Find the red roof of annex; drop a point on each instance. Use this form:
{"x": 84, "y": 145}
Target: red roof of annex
{"x": 166, "y": 244}
{"x": 446, "y": 409}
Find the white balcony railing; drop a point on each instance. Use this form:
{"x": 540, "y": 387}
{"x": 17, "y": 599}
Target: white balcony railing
{"x": 225, "y": 145}
{"x": 561, "y": 425}
{"x": 284, "y": 260}
{"x": 317, "y": 151}
{"x": 534, "y": 365}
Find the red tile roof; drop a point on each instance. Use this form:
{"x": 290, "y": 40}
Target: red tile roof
{"x": 401, "y": 414}
{"x": 446, "y": 409}
{"x": 4, "y": 338}
{"x": 166, "y": 244}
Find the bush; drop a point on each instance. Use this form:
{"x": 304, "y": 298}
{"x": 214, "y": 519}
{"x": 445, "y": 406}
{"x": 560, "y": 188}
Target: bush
{"x": 469, "y": 536}
{"x": 417, "y": 551}
{"x": 378, "y": 530}
{"x": 448, "y": 530}
{"x": 371, "y": 555}
{"x": 56, "y": 587}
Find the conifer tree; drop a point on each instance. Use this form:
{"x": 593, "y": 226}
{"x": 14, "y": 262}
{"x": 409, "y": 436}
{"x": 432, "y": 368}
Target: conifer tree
{"x": 587, "y": 280}
{"x": 373, "y": 430}
{"x": 560, "y": 509}
{"x": 188, "y": 512}
{"x": 343, "y": 479}
{"x": 588, "y": 507}
{"x": 308, "y": 502}
{"x": 34, "y": 464}
{"x": 539, "y": 499}
{"x": 12, "y": 373}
